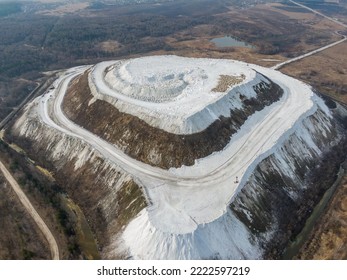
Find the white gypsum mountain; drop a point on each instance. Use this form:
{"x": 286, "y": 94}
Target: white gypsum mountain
{"x": 189, "y": 206}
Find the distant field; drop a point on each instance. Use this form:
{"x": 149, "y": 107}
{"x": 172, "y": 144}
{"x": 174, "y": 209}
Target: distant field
{"x": 326, "y": 71}
{"x": 65, "y": 36}
{"x": 331, "y": 9}
{"x": 8, "y": 8}
{"x": 68, "y": 8}
{"x": 277, "y": 30}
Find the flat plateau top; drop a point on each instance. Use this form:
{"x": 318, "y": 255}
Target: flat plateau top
{"x": 158, "y": 87}
{"x": 170, "y": 79}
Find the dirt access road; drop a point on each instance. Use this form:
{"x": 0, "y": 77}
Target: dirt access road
{"x": 33, "y": 213}
{"x": 318, "y": 13}
{"x": 280, "y": 65}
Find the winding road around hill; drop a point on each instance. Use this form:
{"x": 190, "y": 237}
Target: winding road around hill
{"x": 171, "y": 192}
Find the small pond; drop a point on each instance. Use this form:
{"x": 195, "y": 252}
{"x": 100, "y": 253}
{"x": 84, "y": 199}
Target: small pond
{"x": 229, "y": 41}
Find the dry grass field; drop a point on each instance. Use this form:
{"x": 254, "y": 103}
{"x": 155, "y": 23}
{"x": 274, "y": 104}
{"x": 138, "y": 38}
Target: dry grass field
{"x": 280, "y": 25}
{"x": 64, "y": 9}
{"x": 326, "y": 71}
{"x": 329, "y": 238}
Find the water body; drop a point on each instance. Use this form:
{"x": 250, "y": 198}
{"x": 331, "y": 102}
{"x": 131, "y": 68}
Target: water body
{"x": 228, "y": 41}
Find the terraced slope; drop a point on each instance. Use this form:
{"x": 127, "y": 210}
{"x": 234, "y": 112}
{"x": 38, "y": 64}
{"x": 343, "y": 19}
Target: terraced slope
{"x": 250, "y": 151}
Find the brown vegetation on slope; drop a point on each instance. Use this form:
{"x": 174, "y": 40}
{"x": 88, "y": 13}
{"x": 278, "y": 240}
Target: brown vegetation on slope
{"x": 108, "y": 199}
{"x": 46, "y": 197}
{"x": 151, "y": 145}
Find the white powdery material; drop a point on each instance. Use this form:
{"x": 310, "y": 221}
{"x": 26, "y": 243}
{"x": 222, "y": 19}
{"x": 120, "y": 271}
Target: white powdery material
{"x": 83, "y": 157}
{"x": 144, "y": 238}
{"x": 186, "y": 202}
{"x": 184, "y": 206}
{"x": 172, "y": 93}
{"x": 224, "y": 238}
